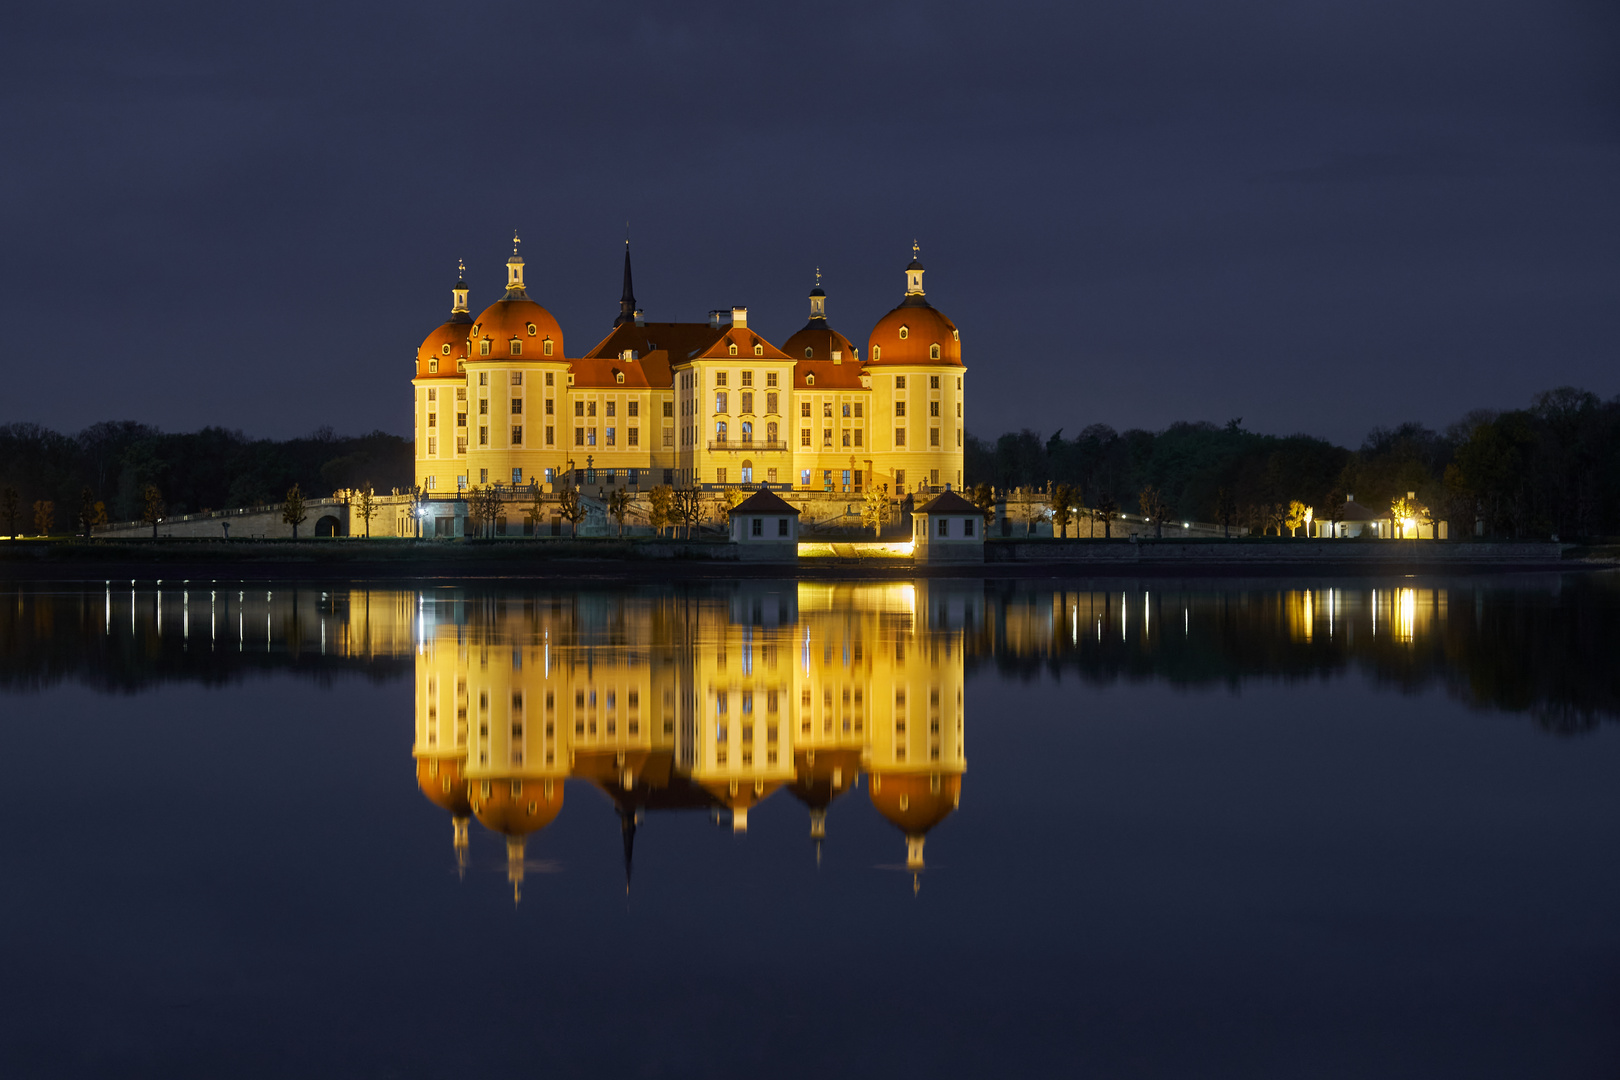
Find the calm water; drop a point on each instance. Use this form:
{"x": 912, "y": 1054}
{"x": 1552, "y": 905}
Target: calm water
{"x": 1302, "y": 828}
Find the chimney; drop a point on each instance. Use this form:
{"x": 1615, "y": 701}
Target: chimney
{"x": 739, "y": 316}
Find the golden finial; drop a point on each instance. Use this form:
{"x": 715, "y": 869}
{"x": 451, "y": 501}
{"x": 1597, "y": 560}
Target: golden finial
{"x": 461, "y": 267}
{"x": 915, "y": 248}
{"x": 818, "y": 277}
{"x": 516, "y": 240}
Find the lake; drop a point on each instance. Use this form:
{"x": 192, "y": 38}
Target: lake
{"x": 1225, "y": 827}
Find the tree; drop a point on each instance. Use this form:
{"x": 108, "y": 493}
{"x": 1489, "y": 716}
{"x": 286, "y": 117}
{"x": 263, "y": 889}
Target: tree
{"x": 1063, "y": 500}
{"x": 419, "y": 504}
{"x": 875, "y": 511}
{"x": 483, "y": 508}
{"x": 1274, "y": 515}
{"x": 619, "y": 506}
{"x": 1406, "y": 512}
{"x": 661, "y": 501}
{"x": 1225, "y": 511}
{"x": 536, "y": 509}
{"x": 8, "y": 507}
{"x": 984, "y": 497}
{"x": 1155, "y": 508}
{"x": 1106, "y": 511}
{"x": 152, "y": 507}
{"x": 366, "y": 506}
{"x": 688, "y": 507}
{"x": 293, "y": 510}
{"x": 1298, "y": 514}
{"x": 44, "y": 517}
{"x": 87, "y": 510}
{"x": 1034, "y": 512}
{"x": 572, "y": 508}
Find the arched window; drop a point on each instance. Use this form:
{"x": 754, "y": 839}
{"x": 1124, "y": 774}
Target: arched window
{"x": 748, "y": 431}
{"x": 720, "y": 431}
{"x": 770, "y": 432}
{"x": 733, "y": 348}
{"x": 759, "y": 350}
{"x": 433, "y": 367}
{"x": 904, "y": 333}
{"x": 933, "y": 352}
{"x": 748, "y": 472}
{"x": 545, "y": 347}
{"x": 877, "y": 352}
{"x": 483, "y": 347}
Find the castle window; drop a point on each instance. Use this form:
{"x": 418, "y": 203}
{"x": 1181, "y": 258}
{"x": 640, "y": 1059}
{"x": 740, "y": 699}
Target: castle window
{"x": 445, "y": 348}
{"x": 770, "y": 432}
{"x": 719, "y": 378}
{"x": 483, "y": 347}
{"x": 857, "y": 410}
{"x": 579, "y": 408}
{"x": 550, "y": 377}
{"x": 634, "y": 409}
{"x": 634, "y": 437}
{"x": 933, "y": 382}
{"x": 770, "y": 378}
{"x": 517, "y": 347}
{"x": 517, "y": 434}
{"x": 933, "y": 352}
{"x": 733, "y": 348}
{"x": 857, "y": 436}
{"x": 899, "y": 408}
{"x": 933, "y": 436}
{"x": 551, "y": 406}
{"x": 720, "y": 401}
{"x": 804, "y": 439}
{"x": 759, "y": 350}
{"x": 877, "y": 352}
{"x": 618, "y": 377}
{"x": 770, "y": 402}
{"x": 590, "y": 408}
{"x": 748, "y": 378}
{"x": 433, "y": 367}
{"x": 804, "y": 408}
{"x": 545, "y": 349}
{"x": 846, "y": 410}
{"x": 956, "y": 335}
{"x": 532, "y": 330}
{"x": 808, "y": 353}
{"x": 904, "y": 333}
{"x": 933, "y": 408}
{"x": 461, "y": 365}
{"x": 809, "y": 380}
{"x": 899, "y": 380}
{"x": 899, "y": 436}
{"x": 612, "y": 408}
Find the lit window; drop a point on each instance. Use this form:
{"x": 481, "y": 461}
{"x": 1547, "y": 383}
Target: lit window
{"x": 483, "y": 347}
{"x": 445, "y": 348}
{"x": 433, "y": 367}
{"x": 517, "y": 434}
{"x": 517, "y": 347}
{"x": 809, "y": 380}
{"x": 933, "y": 352}
{"x": 734, "y": 348}
{"x": 759, "y": 350}
{"x": 545, "y": 348}
{"x": 899, "y": 408}
{"x": 877, "y": 352}
{"x": 904, "y": 333}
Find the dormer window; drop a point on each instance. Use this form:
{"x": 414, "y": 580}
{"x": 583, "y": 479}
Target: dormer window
{"x": 461, "y": 365}
{"x": 517, "y": 347}
{"x": 533, "y": 330}
{"x": 433, "y": 367}
{"x": 809, "y": 380}
{"x": 733, "y": 348}
{"x": 877, "y": 353}
{"x": 759, "y": 350}
{"x": 808, "y": 353}
{"x": 545, "y": 347}
{"x": 904, "y": 333}
{"x": 956, "y": 335}
{"x": 445, "y": 348}
{"x": 618, "y": 377}
{"x": 933, "y": 352}
{"x": 483, "y": 347}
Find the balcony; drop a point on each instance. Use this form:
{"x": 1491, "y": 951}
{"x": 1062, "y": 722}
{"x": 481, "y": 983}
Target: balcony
{"x": 756, "y": 446}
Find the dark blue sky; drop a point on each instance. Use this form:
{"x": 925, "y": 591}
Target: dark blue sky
{"x": 1318, "y": 217}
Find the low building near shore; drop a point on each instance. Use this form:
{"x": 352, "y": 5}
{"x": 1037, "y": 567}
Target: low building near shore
{"x": 947, "y": 528}
{"x": 766, "y": 526}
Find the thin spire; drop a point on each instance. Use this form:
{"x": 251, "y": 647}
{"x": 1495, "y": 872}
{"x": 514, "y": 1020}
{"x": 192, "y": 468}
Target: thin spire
{"x": 627, "y": 297}
{"x": 516, "y": 240}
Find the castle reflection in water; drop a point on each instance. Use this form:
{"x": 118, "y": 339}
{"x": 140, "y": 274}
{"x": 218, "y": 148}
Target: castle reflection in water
{"x": 668, "y": 701}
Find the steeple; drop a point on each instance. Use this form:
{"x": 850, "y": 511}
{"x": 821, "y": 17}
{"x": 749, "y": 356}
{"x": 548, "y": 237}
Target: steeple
{"x": 818, "y": 301}
{"x": 627, "y": 298}
{"x": 514, "y": 272}
{"x": 627, "y": 827}
{"x": 458, "y": 307}
{"x": 514, "y": 867}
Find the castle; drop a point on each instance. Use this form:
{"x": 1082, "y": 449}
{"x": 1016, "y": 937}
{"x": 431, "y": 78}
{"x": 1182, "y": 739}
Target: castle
{"x": 500, "y": 401}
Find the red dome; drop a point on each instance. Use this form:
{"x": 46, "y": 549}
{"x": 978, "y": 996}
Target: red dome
{"x": 908, "y": 334}
{"x": 517, "y": 812}
{"x": 819, "y": 343}
{"x": 445, "y": 787}
{"x": 912, "y": 801}
{"x": 446, "y": 345}
{"x": 520, "y": 318}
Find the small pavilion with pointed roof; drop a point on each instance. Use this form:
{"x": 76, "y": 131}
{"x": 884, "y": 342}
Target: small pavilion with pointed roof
{"x": 947, "y": 528}
{"x": 765, "y": 526}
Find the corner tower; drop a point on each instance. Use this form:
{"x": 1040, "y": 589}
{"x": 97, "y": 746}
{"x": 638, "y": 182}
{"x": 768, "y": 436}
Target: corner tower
{"x": 914, "y": 358}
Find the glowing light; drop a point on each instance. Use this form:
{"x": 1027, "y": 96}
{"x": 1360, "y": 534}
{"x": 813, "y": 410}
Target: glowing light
{"x": 1405, "y": 617}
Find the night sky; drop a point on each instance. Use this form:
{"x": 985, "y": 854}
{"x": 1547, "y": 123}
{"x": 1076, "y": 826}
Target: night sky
{"x": 1315, "y": 217}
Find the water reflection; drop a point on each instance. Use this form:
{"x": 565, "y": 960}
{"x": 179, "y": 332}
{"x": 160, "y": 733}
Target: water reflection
{"x": 667, "y": 701}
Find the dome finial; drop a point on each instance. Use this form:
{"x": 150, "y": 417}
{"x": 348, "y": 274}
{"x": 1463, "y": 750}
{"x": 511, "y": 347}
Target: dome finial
{"x": 514, "y": 271}
{"x": 516, "y": 240}
{"x": 458, "y": 304}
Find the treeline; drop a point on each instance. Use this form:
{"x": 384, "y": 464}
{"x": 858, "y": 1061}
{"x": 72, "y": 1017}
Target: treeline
{"x": 1552, "y": 468}
{"x": 211, "y": 469}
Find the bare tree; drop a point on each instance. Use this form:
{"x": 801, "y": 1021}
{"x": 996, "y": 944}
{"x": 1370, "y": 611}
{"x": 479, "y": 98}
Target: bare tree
{"x": 1034, "y": 512}
{"x": 1155, "y": 508}
{"x": 1226, "y": 511}
{"x": 619, "y": 506}
{"x": 152, "y": 507}
{"x": 293, "y": 511}
{"x": 688, "y": 507}
{"x": 536, "y": 510}
{"x": 572, "y": 508}
{"x": 1063, "y": 499}
{"x": 875, "y": 511}
{"x": 366, "y": 506}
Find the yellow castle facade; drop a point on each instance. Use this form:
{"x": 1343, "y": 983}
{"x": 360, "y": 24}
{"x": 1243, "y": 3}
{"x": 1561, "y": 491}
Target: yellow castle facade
{"x": 498, "y": 399}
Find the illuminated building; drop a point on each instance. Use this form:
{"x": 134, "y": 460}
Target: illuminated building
{"x": 498, "y": 400}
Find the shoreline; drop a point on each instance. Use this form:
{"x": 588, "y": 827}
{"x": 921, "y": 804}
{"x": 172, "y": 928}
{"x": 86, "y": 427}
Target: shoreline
{"x": 640, "y": 560}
